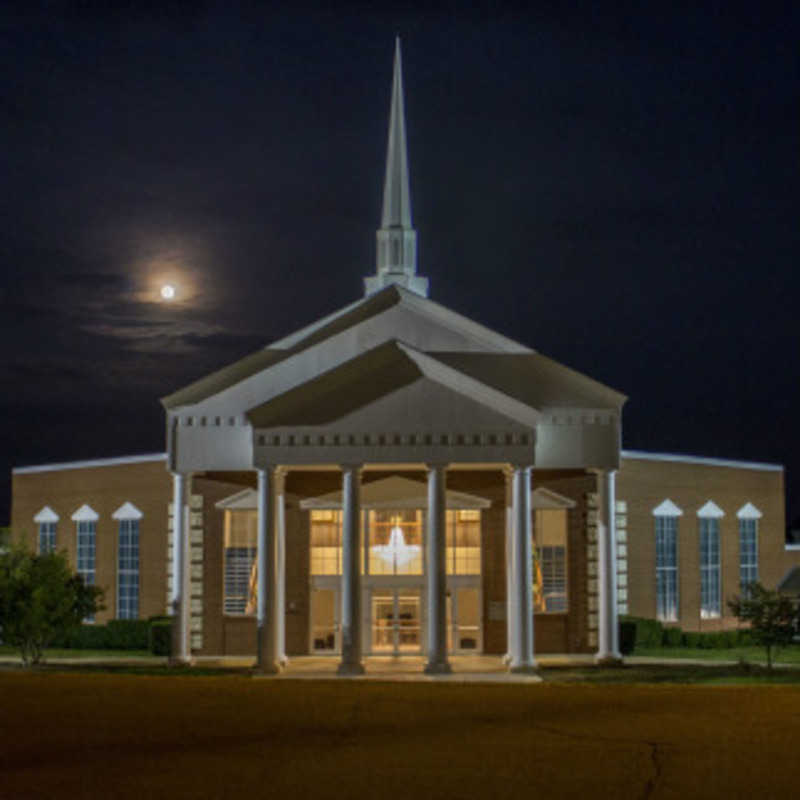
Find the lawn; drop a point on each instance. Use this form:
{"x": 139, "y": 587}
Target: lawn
{"x": 753, "y": 655}
{"x": 6, "y": 651}
{"x": 122, "y": 736}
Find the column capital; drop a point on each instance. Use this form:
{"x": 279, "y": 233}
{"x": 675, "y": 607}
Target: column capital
{"x": 355, "y": 466}
{"x": 431, "y": 465}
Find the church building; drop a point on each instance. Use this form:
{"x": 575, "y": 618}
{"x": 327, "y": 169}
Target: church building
{"x": 398, "y": 479}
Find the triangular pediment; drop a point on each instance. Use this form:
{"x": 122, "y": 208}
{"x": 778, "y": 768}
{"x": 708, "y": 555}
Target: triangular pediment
{"x": 667, "y": 509}
{"x": 46, "y": 515}
{"x": 393, "y": 387}
{"x": 710, "y": 510}
{"x": 85, "y": 514}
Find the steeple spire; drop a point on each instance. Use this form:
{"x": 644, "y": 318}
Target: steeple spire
{"x": 397, "y": 240}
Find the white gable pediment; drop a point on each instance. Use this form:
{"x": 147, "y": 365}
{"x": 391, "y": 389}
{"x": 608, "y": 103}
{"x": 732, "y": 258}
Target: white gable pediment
{"x": 547, "y": 499}
{"x": 85, "y": 514}
{"x": 749, "y": 511}
{"x": 46, "y": 515}
{"x": 710, "y": 510}
{"x": 127, "y": 511}
{"x": 667, "y": 509}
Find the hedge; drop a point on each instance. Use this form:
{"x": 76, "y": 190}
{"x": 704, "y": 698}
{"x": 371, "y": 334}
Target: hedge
{"x": 650, "y": 633}
{"x": 160, "y": 639}
{"x": 117, "y": 634}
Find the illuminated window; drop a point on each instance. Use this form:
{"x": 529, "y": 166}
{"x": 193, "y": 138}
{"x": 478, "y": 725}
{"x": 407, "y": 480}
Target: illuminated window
{"x": 550, "y": 561}
{"x": 326, "y": 542}
{"x": 395, "y": 542}
{"x": 128, "y": 570}
{"x": 463, "y": 542}
{"x": 667, "y": 568}
{"x": 47, "y": 537}
{"x": 241, "y": 540}
{"x": 710, "y": 594}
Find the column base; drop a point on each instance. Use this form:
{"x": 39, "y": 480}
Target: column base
{"x": 608, "y": 660}
{"x": 506, "y": 659}
{"x": 350, "y": 669}
{"x": 524, "y": 669}
{"x": 283, "y": 661}
{"x": 180, "y": 661}
{"x": 267, "y": 669}
{"x": 438, "y": 668}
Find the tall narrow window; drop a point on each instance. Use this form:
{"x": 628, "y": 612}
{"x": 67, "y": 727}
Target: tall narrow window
{"x": 47, "y": 520}
{"x": 326, "y": 542}
{"x": 667, "y": 568}
{"x": 748, "y": 516}
{"x": 241, "y": 539}
{"x": 47, "y": 537}
{"x": 128, "y": 570}
{"x": 87, "y": 534}
{"x": 395, "y": 542}
{"x": 666, "y": 516}
{"x": 463, "y": 542}
{"x": 710, "y": 589}
{"x": 550, "y": 561}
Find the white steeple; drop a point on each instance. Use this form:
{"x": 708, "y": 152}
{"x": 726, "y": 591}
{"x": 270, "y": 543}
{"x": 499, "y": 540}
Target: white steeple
{"x": 397, "y": 240}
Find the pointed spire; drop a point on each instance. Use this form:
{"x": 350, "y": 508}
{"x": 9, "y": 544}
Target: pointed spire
{"x": 397, "y": 240}
{"x": 396, "y": 195}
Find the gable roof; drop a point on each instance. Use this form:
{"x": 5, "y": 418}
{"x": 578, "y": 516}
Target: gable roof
{"x": 348, "y": 317}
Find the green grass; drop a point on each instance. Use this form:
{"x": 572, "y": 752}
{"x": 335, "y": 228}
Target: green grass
{"x": 788, "y": 655}
{"x": 6, "y": 651}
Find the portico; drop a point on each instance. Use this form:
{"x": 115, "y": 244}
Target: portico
{"x": 400, "y": 387}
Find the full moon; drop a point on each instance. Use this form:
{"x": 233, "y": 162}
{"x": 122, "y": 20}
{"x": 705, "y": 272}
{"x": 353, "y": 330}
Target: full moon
{"x": 168, "y": 292}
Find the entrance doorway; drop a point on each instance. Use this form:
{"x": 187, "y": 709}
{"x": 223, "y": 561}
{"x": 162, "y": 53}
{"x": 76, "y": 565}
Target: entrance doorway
{"x": 396, "y": 621}
{"x": 464, "y": 620}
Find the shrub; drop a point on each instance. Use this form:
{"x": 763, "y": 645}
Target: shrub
{"x": 41, "y": 599}
{"x": 160, "y": 636}
{"x": 673, "y": 637}
{"x": 627, "y": 636}
{"x": 128, "y": 634}
{"x": 692, "y": 639}
{"x": 649, "y": 632}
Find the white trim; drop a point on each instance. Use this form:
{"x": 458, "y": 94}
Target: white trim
{"x": 97, "y": 462}
{"x": 792, "y": 548}
{"x": 85, "y": 514}
{"x": 127, "y": 511}
{"x": 641, "y": 455}
{"x": 749, "y": 511}
{"x": 544, "y": 499}
{"x": 667, "y": 509}
{"x": 246, "y": 500}
{"x": 710, "y": 510}
{"x": 46, "y": 515}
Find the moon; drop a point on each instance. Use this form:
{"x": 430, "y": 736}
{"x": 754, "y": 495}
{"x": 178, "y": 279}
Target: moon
{"x": 168, "y": 292}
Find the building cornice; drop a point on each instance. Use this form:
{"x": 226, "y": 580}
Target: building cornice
{"x": 639, "y": 455}
{"x": 96, "y": 462}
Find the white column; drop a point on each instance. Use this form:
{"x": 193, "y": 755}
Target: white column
{"x": 522, "y": 651}
{"x": 181, "y": 653}
{"x": 281, "y": 523}
{"x": 267, "y": 572}
{"x": 436, "y": 571}
{"x": 351, "y": 572}
{"x": 511, "y": 592}
{"x": 607, "y": 628}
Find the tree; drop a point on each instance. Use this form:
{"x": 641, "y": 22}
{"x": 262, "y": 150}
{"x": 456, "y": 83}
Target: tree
{"x": 772, "y": 617}
{"x": 41, "y": 598}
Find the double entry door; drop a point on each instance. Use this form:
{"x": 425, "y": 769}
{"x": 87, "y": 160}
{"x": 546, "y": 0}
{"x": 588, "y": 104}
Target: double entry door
{"x": 393, "y": 620}
{"x": 394, "y": 624}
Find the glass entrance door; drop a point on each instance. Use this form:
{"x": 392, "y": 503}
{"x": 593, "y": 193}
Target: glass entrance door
{"x": 325, "y": 621}
{"x": 463, "y": 620}
{"x": 396, "y": 621}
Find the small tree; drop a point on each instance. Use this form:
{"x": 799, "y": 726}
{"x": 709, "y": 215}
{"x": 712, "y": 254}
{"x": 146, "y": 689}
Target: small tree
{"x": 40, "y": 598}
{"x": 772, "y": 617}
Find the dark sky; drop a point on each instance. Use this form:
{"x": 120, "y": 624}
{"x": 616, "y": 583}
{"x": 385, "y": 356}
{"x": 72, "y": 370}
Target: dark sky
{"x": 613, "y": 185}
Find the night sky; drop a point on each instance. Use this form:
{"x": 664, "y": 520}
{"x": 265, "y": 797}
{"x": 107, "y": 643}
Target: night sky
{"x": 613, "y": 185}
